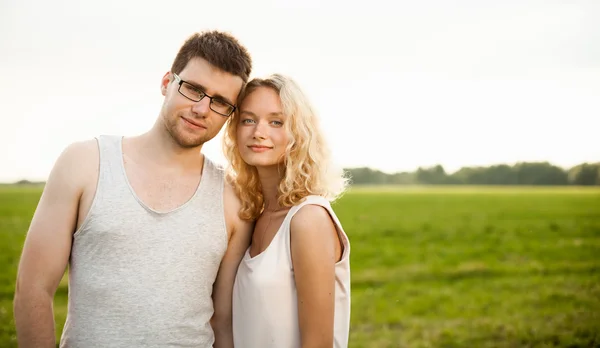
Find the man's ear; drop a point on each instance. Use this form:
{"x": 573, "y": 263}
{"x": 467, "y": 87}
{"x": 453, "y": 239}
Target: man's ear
{"x": 164, "y": 83}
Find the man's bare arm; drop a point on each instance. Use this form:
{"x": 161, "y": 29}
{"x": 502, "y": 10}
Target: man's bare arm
{"x": 46, "y": 250}
{"x": 241, "y": 234}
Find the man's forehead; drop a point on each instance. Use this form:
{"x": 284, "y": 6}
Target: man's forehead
{"x": 212, "y": 79}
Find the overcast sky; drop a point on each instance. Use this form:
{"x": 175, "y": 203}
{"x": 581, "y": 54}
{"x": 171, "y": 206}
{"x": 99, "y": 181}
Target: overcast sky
{"x": 398, "y": 84}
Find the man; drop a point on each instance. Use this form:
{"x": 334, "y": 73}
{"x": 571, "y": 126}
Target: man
{"x": 147, "y": 224}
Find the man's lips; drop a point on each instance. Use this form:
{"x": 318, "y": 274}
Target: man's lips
{"x": 192, "y": 123}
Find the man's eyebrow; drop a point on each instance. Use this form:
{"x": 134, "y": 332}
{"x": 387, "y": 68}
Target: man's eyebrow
{"x": 216, "y": 96}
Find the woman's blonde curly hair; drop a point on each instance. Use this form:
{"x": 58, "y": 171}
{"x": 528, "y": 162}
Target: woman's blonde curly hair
{"x": 306, "y": 165}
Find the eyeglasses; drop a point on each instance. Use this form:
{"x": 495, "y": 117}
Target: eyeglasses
{"x": 193, "y": 93}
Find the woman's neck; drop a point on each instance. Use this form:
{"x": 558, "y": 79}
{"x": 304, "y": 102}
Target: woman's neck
{"x": 270, "y": 177}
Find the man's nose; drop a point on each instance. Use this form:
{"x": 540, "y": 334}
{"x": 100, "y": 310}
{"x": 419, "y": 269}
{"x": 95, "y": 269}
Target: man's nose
{"x": 202, "y": 108}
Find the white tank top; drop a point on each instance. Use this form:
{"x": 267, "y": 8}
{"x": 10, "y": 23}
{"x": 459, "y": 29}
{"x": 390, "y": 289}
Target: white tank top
{"x": 139, "y": 277}
{"x": 265, "y": 308}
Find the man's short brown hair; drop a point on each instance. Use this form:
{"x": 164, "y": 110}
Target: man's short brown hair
{"x": 220, "y": 49}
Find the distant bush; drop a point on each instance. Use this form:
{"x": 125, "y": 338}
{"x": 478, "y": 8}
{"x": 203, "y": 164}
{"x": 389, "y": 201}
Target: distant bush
{"x": 522, "y": 173}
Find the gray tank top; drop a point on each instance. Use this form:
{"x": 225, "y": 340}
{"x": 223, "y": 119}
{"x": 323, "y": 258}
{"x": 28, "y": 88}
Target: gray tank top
{"x": 140, "y": 278}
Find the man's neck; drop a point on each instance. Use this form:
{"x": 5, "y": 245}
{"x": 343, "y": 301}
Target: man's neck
{"x": 158, "y": 147}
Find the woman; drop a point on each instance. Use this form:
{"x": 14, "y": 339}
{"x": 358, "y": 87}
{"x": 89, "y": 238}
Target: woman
{"x": 292, "y": 287}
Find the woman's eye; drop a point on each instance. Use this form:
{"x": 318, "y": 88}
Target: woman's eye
{"x": 247, "y": 121}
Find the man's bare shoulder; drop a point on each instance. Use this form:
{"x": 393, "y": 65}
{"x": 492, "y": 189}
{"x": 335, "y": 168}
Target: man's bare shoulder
{"x": 82, "y": 148}
{"x": 78, "y": 162}
{"x": 231, "y": 198}
{"x": 80, "y": 153}
{"x": 233, "y": 204}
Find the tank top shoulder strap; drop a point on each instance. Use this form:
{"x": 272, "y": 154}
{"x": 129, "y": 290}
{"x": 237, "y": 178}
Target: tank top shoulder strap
{"x": 316, "y": 200}
{"x": 109, "y": 145}
{"x": 213, "y": 180}
{"x": 214, "y": 172}
{"x": 111, "y": 162}
{"x": 111, "y": 180}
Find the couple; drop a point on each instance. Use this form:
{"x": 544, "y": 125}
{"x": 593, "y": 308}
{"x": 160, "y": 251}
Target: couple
{"x": 167, "y": 249}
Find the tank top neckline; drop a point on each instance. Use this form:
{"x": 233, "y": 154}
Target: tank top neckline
{"x": 199, "y": 187}
{"x": 251, "y": 258}
{"x": 312, "y": 199}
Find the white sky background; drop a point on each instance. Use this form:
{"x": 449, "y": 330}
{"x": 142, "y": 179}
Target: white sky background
{"x": 411, "y": 83}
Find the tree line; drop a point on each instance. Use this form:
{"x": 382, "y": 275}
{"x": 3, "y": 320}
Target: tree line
{"x": 523, "y": 173}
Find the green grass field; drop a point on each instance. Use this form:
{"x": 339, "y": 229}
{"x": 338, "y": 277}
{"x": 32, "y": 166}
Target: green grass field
{"x": 434, "y": 267}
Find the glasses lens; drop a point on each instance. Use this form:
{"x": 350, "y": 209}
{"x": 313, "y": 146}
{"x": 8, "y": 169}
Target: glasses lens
{"x": 221, "y": 107}
{"x": 191, "y": 92}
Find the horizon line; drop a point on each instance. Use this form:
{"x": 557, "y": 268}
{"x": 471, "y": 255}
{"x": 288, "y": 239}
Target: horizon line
{"x": 345, "y": 168}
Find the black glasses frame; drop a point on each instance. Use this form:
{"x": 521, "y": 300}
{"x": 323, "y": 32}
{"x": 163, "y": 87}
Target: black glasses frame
{"x": 180, "y": 82}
